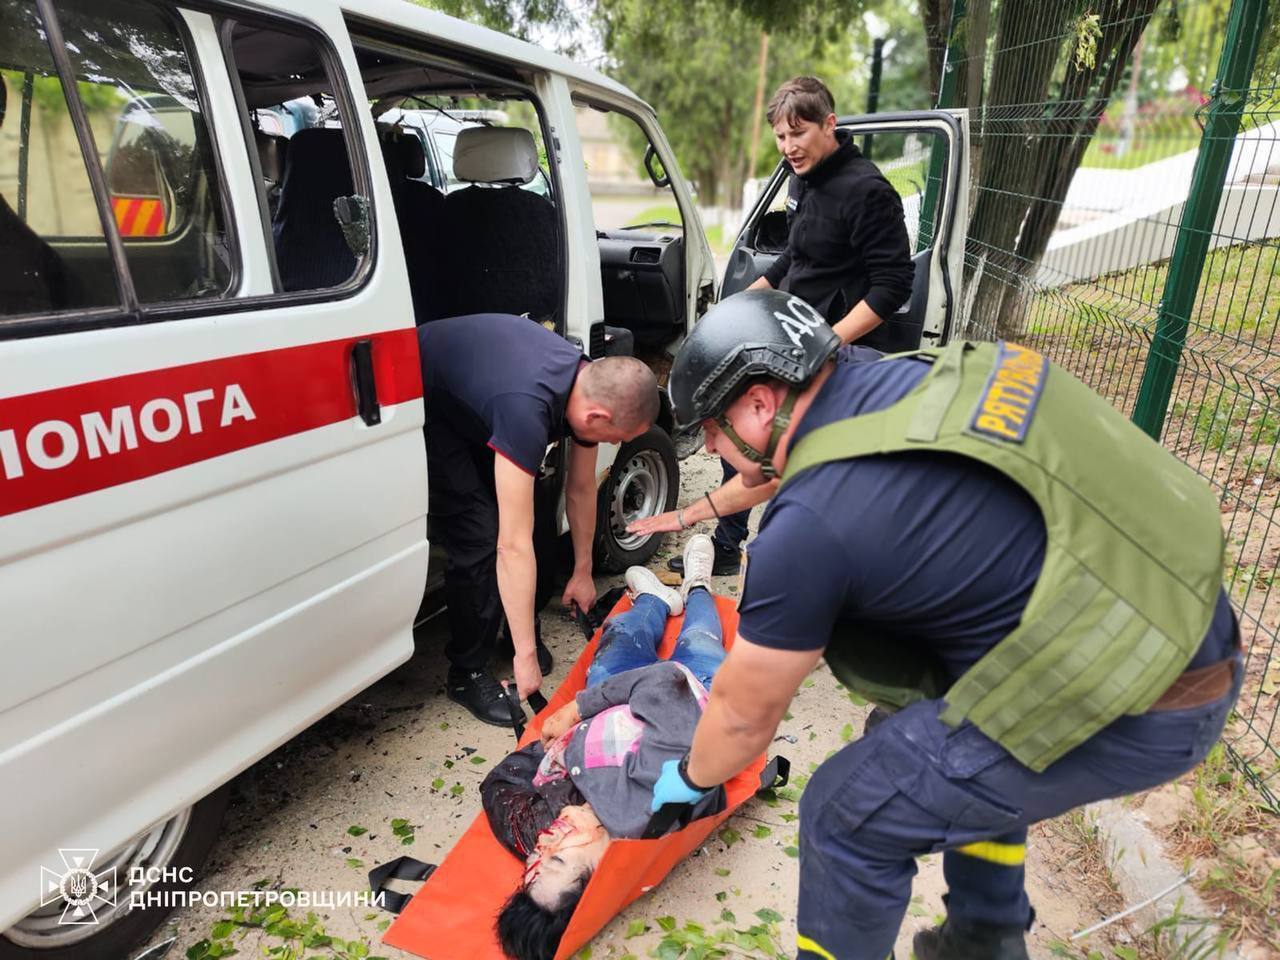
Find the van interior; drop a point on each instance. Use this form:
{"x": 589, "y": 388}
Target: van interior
{"x": 465, "y": 149}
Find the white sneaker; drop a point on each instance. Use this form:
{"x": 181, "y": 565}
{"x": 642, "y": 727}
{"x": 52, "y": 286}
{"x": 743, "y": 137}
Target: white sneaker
{"x": 641, "y": 580}
{"x": 699, "y": 560}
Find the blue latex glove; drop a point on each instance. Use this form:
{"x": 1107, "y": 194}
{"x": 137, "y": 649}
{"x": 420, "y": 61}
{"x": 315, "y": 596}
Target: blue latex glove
{"x": 671, "y": 788}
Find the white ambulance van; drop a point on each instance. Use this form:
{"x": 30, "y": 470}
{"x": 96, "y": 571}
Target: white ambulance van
{"x": 220, "y": 225}
{"x": 214, "y": 252}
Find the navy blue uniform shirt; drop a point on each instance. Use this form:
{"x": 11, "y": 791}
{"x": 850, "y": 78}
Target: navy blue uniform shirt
{"x": 934, "y": 547}
{"x": 500, "y": 380}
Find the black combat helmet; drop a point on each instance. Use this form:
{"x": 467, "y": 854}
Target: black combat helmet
{"x": 756, "y": 333}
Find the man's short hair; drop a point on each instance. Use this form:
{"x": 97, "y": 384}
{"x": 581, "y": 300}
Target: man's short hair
{"x": 801, "y": 98}
{"x": 527, "y": 931}
{"x": 625, "y": 387}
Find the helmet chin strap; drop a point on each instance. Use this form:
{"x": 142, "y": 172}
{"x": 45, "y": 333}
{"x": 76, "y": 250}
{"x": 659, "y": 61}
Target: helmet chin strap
{"x": 781, "y": 420}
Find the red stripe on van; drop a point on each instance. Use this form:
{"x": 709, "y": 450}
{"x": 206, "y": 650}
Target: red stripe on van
{"x": 289, "y": 391}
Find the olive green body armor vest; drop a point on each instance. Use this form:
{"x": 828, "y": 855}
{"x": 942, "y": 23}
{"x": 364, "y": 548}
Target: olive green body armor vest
{"x": 1133, "y": 555}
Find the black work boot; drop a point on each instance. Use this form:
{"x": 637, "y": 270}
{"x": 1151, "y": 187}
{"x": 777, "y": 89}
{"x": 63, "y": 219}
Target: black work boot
{"x": 728, "y": 560}
{"x": 545, "y": 660}
{"x": 481, "y": 694}
{"x": 959, "y": 940}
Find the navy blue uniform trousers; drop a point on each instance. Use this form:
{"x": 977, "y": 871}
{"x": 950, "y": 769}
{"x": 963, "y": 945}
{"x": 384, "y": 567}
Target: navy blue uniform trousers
{"x": 914, "y": 785}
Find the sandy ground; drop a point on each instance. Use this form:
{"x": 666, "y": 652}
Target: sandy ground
{"x": 377, "y": 757}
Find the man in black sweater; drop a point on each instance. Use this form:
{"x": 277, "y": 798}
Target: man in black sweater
{"x": 847, "y": 251}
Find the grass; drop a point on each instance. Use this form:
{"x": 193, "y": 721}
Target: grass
{"x": 1226, "y": 827}
{"x": 908, "y": 178}
{"x": 1103, "y": 152}
{"x": 1239, "y": 297}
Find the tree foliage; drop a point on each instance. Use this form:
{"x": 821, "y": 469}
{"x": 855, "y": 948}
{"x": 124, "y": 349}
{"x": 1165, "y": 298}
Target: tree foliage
{"x": 1041, "y": 83}
{"x": 551, "y": 22}
{"x": 696, "y": 63}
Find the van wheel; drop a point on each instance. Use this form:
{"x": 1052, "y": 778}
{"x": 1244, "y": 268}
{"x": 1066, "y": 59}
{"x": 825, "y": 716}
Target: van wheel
{"x": 643, "y": 481}
{"x": 182, "y": 841}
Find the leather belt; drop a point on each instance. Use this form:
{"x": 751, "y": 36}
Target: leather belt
{"x": 1195, "y": 688}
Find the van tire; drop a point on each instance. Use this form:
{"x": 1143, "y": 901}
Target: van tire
{"x": 127, "y": 932}
{"x": 643, "y": 481}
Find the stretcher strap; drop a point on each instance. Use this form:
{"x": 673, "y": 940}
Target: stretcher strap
{"x": 401, "y": 868}
{"x": 776, "y": 773}
{"x": 537, "y": 702}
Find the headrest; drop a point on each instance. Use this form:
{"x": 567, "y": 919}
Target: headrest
{"x": 271, "y": 150}
{"x": 316, "y": 168}
{"x": 495, "y": 155}
{"x": 403, "y": 152}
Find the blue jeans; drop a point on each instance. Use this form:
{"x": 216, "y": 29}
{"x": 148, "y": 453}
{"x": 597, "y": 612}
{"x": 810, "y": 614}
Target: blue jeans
{"x": 731, "y": 531}
{"x": 913, "y": 786}
{"x": 631, "y": 639}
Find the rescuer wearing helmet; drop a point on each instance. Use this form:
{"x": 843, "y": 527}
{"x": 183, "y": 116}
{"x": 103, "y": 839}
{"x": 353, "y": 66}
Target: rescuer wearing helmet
{"x": 975, "y": 540}
{"x": 847, "y": 252}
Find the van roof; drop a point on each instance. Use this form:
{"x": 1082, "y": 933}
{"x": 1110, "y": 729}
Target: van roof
{"x": 402, "y": 15}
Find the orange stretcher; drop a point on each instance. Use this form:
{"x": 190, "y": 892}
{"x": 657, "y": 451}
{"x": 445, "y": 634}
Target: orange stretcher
{"x": 452, "y": 915}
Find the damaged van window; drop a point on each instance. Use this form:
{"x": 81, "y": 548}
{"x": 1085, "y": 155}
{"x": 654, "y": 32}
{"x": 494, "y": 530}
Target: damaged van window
{"x": 474, "y": 194}
{"x": 320, "y": 224}
{"x": 154, "y": 145}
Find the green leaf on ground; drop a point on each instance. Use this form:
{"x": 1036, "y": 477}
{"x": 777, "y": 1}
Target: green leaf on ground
{"x": 769, "y": 916}
{"x": 357, "y": 831}
{"x": 729, "y": 836}
{"x": 355, "y": 862}
{"x": 722, "y": 871}
{"x": 761, "y": 831}
{"x": 437, "y": 783}
{"x": 635, "y": 928}
{"x": 791, "y": 851}
{"x": 667, "y": 923}
{"x": 846, "y": 732}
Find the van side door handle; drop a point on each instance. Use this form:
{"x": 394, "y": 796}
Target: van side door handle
{"x": 362, "y": 380}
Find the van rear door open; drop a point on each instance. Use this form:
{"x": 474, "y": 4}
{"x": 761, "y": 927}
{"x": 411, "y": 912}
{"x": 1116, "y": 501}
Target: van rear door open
{"x": 212, "y": 475}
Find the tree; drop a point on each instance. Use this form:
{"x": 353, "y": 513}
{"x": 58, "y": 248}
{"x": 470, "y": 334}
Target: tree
{"x": 696, "y": 63}
{"x": 1052, "y": 71}
{"x": 533, "y": 20}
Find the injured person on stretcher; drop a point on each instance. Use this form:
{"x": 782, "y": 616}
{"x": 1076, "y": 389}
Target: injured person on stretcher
{"x": 557, "y": 803}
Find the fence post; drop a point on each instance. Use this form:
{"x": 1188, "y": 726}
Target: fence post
{"x": 873, "y": 89}
{"x": 1191, "y": 247}
{"x": 946, "y": 98}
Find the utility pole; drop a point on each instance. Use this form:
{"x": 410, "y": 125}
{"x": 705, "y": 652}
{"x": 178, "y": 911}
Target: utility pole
{"x": 757, "y": 111}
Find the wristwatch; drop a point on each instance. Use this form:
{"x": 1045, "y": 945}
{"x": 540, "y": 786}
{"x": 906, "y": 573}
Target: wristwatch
{"x": 683, "y": 769}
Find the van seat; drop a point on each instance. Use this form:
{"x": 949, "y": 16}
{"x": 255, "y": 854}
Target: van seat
{"x": 310, "y": 249}
{"x": 504, "y": 241}
{"x": 420, "y": 211}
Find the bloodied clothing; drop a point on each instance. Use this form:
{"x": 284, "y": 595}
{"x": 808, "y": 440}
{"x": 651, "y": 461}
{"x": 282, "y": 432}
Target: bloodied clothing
{"x": 637, "y": 713}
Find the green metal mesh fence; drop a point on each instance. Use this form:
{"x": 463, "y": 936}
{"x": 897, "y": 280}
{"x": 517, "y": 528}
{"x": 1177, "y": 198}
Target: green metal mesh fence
{"x": 1125, "y": 220}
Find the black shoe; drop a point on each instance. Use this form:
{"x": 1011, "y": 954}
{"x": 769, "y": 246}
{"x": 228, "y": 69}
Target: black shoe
{"x": 728, "y": 560}
{"x": 481, "y": 694}
{"x": 958, "y": 940}
{"x": 877, "y": 716}
{"x": 507, "y": 647}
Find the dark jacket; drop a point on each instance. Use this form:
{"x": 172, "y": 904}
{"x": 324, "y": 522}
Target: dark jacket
{"x": 517, "y": 810}
{"x": 847, "y": 241}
